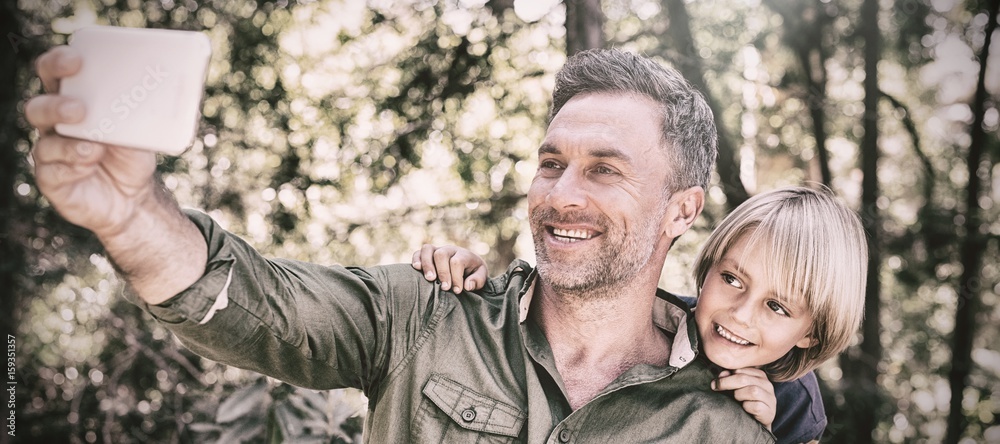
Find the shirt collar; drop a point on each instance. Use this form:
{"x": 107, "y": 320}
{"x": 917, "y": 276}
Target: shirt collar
{"x": 669, "y": 314}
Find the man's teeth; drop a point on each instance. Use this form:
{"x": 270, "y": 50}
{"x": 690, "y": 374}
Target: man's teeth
{"x": 731, "y": 337}
{"x": 572, "y": 235}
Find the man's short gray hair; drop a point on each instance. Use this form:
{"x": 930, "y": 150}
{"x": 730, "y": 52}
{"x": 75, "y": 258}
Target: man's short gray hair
{"x": 689, "y": 133}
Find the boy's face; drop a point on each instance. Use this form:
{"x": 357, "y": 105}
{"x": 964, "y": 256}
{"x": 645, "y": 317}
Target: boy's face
{"x": 741, "y": 319}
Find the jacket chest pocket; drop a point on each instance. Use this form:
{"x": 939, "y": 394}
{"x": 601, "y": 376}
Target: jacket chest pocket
{"x": 452, "y": 413}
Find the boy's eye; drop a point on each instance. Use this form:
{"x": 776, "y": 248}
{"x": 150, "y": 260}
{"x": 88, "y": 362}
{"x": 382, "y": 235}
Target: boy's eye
{"x": 731, "y": 280}
{"x": 777, "y": 308}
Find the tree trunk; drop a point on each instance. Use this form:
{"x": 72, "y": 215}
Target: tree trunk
{"x": 584, "y": 25}
{"x": 972, "y": 249}
{"x": 685, "y": 57}
{"x": 805, "y": 25}
{"x": 861, "y": 372}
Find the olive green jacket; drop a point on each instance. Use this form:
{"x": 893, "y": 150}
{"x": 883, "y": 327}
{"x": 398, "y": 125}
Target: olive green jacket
{"x": 437, "y": 368}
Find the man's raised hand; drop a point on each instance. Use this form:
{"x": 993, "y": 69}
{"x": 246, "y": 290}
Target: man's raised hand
{"x": 93, "y": 185}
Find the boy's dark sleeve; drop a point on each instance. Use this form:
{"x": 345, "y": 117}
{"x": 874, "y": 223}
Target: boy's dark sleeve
{"x": 800, "y": 416}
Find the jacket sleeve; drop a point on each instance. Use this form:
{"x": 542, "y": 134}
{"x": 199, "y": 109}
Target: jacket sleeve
{"x": 800, "y": 416}
{"x": 314, "y": 326}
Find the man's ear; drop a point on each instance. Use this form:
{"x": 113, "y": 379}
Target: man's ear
{"x": 684, "y": 207}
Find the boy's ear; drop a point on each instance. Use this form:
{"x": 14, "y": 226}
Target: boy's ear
{"x": 684, "y": 208}
{"x": 807, "y": 341}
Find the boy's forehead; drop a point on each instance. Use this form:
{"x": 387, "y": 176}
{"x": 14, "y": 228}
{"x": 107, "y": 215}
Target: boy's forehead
{"x": 751, "y": 255}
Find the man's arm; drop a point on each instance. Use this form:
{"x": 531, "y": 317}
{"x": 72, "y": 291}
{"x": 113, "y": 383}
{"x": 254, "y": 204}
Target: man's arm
{"x": 306, "y": 324}
{"x": 111, "y": 191}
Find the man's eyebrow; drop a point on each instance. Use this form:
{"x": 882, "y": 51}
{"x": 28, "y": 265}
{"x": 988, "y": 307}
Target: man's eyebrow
{"x": 602, "y": 153}
{"x": 548, "y": 148}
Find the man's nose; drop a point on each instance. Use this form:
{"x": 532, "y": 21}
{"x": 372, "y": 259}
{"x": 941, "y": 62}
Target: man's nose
{"x": 568, "y": 192}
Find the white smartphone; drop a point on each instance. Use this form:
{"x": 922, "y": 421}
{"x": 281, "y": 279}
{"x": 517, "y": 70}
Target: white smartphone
{"x": 142, "y": 87}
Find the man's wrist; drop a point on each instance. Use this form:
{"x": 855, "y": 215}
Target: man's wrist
{"x": 159, "y": 250}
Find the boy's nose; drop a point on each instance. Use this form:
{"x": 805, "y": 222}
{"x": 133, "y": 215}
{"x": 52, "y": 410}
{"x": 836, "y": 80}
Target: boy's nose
{"x": 743, "y": 312}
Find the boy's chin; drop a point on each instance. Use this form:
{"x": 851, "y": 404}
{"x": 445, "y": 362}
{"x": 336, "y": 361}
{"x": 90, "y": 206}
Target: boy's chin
{"x": 728, "y": 362}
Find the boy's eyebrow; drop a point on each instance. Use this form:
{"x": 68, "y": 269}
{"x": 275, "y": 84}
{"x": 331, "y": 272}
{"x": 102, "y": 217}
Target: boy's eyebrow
{"x": 775, "y": 294}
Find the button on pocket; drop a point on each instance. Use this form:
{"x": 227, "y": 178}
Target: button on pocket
{"x": 451, "y": 412}
{"x": 564, "y": 435}
{"x": 468, "y": 415}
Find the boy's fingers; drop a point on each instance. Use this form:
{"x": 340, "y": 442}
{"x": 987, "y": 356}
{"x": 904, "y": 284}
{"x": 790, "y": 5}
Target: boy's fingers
{"x": 457, "y": 273}
{"x": 442, "y": 265}
{"x": 477, "y": 279}
{"x": 750, "y": 371}
{"x": 738, "y": 381}
{"x": 753, "y": 393}
{"x": 415, "y": 260}
{"x": 427, "y": 262}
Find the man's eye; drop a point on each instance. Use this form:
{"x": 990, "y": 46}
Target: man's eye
{"x": 777, "y": 308}
{"x": 549, "y": 168}
{"x": 731, "y": 280}
{"x": 604, "y": 174}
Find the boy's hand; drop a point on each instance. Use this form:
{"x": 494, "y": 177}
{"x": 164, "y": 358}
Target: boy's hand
{"x": 452, "y": 264}
{"x": 751, "y": 387}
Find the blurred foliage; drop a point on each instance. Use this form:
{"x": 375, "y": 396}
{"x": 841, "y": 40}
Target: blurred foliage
{"x": 353, "y": 132}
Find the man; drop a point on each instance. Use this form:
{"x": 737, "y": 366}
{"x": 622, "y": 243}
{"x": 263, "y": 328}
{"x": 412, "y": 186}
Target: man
{"x": 582, "y": 349}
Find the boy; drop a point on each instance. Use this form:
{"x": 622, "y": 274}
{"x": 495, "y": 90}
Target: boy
{"x": 781, "y": 290}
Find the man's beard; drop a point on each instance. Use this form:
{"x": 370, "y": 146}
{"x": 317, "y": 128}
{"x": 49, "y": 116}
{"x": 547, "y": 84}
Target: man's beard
{"x": 619, "y": 256}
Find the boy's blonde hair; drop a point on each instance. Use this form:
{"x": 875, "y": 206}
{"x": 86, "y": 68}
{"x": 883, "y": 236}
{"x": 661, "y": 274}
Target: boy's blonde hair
{"x": 816, "y": 253}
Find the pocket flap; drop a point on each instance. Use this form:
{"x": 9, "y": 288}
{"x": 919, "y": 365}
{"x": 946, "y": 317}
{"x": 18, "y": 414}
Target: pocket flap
{"x": 472, "y": 410}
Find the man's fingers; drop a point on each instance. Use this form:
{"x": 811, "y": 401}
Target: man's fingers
{"x": 55, "y": 64}
{"x": 45, "y": 111}
{"x": 53, "y": 175}
{"x": 54, "y": 148}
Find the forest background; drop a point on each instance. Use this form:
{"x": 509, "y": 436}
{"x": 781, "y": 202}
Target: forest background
{"x": 354, "y": 131}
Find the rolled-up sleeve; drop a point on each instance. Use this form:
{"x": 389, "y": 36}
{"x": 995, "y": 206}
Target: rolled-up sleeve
{"x": 315, "y": 326}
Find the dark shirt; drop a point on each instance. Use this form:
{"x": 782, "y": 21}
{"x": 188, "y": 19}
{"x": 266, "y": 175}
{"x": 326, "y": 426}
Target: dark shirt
{"x": 799, "y": 415}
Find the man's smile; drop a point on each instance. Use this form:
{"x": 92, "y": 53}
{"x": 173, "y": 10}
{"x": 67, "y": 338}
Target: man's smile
{"x": 572, "y": 235}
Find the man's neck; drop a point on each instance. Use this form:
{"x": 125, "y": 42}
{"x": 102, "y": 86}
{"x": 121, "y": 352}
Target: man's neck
{"x": 596, "y": 339}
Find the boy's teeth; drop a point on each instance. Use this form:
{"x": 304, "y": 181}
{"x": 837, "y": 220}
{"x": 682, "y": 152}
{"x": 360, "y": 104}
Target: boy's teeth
{"x": 572, "y": 234}
{"x": 731, "y": 337}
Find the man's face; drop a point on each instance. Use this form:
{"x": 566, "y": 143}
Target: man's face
{"x": 741, "y": 317}
{"x": 596, "y": 203}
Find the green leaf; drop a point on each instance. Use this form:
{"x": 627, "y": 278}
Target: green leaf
{"x": 243, "y": 401}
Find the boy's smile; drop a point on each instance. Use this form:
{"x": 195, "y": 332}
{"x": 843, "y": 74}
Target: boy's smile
{"x": 742, "y": 318}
